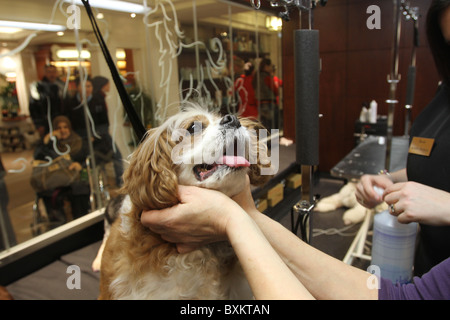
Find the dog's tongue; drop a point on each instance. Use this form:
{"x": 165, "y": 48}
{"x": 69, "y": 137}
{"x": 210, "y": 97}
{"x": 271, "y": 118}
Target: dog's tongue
{"x": 235, "y": 161}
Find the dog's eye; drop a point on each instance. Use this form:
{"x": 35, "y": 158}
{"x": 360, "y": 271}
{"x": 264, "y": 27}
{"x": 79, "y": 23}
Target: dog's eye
{"x": 195, "y": 127}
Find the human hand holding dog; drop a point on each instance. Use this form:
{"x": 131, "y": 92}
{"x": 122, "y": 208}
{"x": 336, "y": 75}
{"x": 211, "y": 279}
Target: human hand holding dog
{"x": 201, "y": 217}
{"x": 204, "y": 216}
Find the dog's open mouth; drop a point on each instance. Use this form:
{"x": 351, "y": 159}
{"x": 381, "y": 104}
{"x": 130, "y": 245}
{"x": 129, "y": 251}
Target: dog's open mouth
{"x": 204, "y": 171}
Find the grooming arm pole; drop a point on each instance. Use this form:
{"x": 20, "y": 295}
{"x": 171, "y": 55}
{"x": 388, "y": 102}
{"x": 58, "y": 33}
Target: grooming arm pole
{"x": 411, "y": 14}
{"x": 393, "y": 80}
{"x": 307, "y": 69}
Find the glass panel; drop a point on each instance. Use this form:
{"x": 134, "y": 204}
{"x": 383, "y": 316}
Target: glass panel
{"x": 58, "y": 99}
{"x": 220, "y": 58}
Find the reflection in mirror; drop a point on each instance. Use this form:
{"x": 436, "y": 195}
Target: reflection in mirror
{"x": 65, "y": 137}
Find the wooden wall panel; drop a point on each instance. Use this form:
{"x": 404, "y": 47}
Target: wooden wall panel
{"x": 332, "y": 105}
{"x": 355, "y": 65}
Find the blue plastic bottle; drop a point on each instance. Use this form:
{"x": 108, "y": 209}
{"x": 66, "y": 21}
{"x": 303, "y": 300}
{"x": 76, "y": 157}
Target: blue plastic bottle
{"x": 393, "y": 247}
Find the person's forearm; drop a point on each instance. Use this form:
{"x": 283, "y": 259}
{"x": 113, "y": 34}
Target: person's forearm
{"x": 322, "y": 275}
{"x": 267, "y": 274}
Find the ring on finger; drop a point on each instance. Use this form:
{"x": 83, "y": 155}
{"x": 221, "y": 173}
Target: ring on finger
{"x": 392, "y": 208}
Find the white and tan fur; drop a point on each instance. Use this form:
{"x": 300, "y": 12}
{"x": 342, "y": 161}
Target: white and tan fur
{"x": 137, "y": 263}
{"x": 355, "y": 212}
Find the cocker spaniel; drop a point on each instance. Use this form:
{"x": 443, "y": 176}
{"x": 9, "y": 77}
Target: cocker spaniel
{"x": 194, "y": 147}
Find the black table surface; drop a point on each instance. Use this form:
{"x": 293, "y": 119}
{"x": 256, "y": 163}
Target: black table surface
{"x": 369, "y": 158}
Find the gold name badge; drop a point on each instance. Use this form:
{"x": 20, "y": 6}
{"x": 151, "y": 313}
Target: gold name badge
{"x": 421, "y": 146}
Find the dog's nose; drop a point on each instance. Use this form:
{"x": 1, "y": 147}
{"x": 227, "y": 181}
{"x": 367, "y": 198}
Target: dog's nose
{"x": 230, "y": 121}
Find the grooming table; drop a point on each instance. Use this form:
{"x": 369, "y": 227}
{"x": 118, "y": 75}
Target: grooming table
{"x": 369, "y": 157}
{"x": 50, "y": 282}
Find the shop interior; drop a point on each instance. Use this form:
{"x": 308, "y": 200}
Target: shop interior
{"x": 172, "y": 52}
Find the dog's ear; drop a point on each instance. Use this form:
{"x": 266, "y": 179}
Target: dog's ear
{"x": 259, "y": 150}
{"x": 151, "y": 180}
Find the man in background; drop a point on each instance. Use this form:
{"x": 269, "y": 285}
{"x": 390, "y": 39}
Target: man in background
{"x": 46, "y": 99}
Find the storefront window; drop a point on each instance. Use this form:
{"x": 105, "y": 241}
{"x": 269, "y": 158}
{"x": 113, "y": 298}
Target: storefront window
{"x": 60, "y": 106}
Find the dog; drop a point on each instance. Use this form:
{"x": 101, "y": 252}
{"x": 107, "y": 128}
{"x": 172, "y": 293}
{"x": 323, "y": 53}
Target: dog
{"x": 136, "y": 263}
{"x": 115, "y": 206}
{"x": 355, "y": 212}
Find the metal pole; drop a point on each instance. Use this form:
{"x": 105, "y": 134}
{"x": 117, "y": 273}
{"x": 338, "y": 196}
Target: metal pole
{"x": 393, "y": 79}
{"x": 414, "y": 15}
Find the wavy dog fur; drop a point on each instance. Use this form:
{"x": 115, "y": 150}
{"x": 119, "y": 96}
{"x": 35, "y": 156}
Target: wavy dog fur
{"x": 137, "y": 263}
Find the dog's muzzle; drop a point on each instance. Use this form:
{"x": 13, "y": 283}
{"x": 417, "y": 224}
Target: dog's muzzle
{"x": 204, "y": 171}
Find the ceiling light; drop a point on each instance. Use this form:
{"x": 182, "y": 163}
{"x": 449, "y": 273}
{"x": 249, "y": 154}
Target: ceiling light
{"x": 8, "y": 63}
{"x": 72, "y": 63}
{"x": 72, "y": 54}
{"x": 11, "y": 76}
{"x": 122, "y": 64}
{"x": 120, "y": 54}
{"x": 274, "y": 23}
{"x": 114, "y": 5}
{"x": 32, "y": 25}
{"x": 9, "y": 30}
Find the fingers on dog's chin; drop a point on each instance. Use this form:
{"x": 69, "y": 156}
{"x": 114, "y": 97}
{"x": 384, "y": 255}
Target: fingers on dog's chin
{"x": 185, "y": 248}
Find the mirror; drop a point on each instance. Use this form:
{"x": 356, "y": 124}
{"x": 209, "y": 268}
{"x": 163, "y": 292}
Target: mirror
{"x": 169, "y": 52}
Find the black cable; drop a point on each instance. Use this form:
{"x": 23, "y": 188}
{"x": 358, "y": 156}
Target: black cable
{"x": 136, "y": 123}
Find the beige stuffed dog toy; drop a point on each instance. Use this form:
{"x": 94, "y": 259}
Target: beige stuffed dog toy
{"x": 346, "y": 198}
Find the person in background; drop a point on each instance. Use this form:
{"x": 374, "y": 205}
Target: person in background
{"x": 74, "y": 110}
{"x": 45, "y": 94}
{"x": 66, "y": 141}
{"x": 101, "y": 87}
{"x": 266, "y": 95}
{"x": 421, "y": 191}
{"x": 103, "y": 142}
{"x": 277, "y": 82}
{"x": 248, "y": 106}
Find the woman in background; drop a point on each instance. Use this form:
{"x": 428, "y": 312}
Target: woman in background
{"x": 66, "y": 141}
